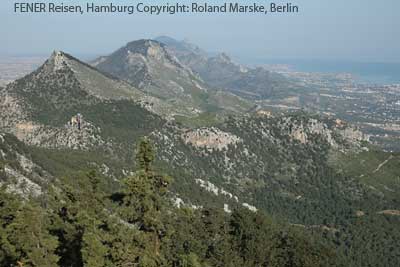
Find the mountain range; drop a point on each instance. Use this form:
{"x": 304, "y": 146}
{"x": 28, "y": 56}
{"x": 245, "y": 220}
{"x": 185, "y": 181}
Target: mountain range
{"x": 147, "y": 65}
{"x": 320, "y": 175}
{"x": 221, "y": 72}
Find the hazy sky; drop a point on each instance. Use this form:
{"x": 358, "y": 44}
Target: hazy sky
{"x": 356, "y": 30}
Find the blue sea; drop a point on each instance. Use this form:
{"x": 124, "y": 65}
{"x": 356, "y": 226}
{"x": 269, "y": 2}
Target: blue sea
{"x": 372, "y": 73}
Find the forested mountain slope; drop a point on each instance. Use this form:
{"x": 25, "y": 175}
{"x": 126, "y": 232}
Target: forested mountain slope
{"x": 82, "y": 224}
{"x": 305, "y": 184}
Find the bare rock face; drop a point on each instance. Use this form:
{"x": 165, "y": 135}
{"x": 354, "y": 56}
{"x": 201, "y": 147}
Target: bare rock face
{"x": 353, "y": 135}
{"x": 18, "y": 172}
{"x": 21, "y": 184}
{"x": 305, "y": 130}
{"x": 210, "y": 138}
{"x": 59, "y": 60}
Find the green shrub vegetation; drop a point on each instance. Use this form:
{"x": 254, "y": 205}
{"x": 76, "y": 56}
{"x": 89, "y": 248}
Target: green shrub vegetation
{"x": 81, "y": 224}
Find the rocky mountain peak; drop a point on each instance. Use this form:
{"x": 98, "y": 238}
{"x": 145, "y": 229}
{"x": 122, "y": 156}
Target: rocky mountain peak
{"x": 142, "y": 45}
{"x": 223, "y": 57}
{"x": 181, "y": 47}
{"x": 57, "y": 61}
{"x": 136, "y": 59}
{"x": 57, "y": 54}
{"x": 147, "y": 48}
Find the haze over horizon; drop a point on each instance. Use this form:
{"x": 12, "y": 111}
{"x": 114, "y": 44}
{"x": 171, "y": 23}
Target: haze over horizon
{"x": 337, "y": 30}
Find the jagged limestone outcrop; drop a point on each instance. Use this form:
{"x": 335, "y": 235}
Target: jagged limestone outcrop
{"x": 210, "y": 138}
{"x": 303, "y": 131}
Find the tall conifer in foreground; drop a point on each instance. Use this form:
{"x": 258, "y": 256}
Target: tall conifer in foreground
{"x": 144, "y": 202}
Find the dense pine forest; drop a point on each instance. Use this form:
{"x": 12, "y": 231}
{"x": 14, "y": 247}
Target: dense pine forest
{"x": 80, "y": 223}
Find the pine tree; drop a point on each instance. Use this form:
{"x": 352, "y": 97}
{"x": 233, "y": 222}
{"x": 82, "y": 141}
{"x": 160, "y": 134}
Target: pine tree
{"x": 93, "y": 250}
{"x": 79, "y": 218}
{"x": 190, "y": 260}
{"x": 9, "y": 206}
{"x": 33, "y": 244}
{"x": 145, "y": 200}
{"x": 145, "y": 155}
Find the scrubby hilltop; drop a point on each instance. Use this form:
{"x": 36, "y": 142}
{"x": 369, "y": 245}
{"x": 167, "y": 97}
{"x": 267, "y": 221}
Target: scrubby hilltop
{"x": 40, "y": 107}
